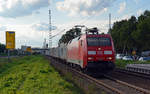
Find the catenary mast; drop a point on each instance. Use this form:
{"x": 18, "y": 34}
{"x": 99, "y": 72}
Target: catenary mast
{"x": 50, "y": 30}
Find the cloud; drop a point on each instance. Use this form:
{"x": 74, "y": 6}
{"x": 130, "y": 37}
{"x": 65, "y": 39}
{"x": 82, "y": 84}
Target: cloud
{"x": 127, "y": 16}
{"x": 139, "y": 12}
{"x": 84, "y": 7}
{"x": 124, "y": 17}
{"x": 3, "y": 28}
{"x": 19, "y": 8}
{"x": 122, "y": 7}
{"x": 42, "y": 27}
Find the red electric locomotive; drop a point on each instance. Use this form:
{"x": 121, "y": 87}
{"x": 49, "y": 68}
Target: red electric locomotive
{"x": 93, "y": 52}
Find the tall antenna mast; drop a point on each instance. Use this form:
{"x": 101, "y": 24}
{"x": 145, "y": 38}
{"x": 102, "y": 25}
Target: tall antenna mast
{"x": 50, "y": 29}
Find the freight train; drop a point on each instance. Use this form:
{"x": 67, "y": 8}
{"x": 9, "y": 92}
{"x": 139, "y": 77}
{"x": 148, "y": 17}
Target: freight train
{"x": 89, "y": 52}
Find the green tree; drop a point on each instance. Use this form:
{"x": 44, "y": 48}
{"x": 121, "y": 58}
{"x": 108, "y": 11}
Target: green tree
{"x": 132, "y": 33}
{"x": 71, "y": 34}
{"x": 2, "y": 48}
{"x": 143, "y": 31}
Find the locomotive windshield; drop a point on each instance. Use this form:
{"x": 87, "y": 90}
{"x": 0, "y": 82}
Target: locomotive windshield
{"x": 98, "y": 41}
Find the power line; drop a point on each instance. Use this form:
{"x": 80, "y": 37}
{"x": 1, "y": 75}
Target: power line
{"x": 75, "y": 25}
{"x": 58, "y": 33}
{"x": 90, "y": 17}
{"x": 65, "y": 30}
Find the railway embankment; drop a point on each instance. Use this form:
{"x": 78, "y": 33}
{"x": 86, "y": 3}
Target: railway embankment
{"x": 32, "y": 75}
{"x": 85, "y": 82}
{"x": 102, "y": 85}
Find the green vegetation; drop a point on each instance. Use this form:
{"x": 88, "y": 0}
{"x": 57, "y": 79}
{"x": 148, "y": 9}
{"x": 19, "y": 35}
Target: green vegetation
{"x": 2, "y": 48}
{"x": 32, "y": 75}
{"x": 71, "y": 34}
{"x": 4, "y": 51}
{"x": 3, "y": 61}
{"x": 123, "y": 63}
{"x": 132, "y": 34}
{"x": 3, "y": 54}
{"x": 74, "y": 32}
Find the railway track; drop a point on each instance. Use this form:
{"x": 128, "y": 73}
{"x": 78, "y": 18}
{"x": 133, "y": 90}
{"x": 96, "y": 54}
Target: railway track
{"x": 98, "y": 82}
{"x": 108, "y": 83}
{"x": 116, "y": 86}
{"x": 124, "y": 86}
{"x": 137, "y": 79}
{"x": 142, "y": 75}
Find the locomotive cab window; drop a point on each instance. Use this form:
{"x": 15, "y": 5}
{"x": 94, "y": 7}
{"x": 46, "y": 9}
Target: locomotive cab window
{"x": 98, "y": 41}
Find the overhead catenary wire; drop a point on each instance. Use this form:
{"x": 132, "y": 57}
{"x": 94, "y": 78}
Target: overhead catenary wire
{"x": 91, "y": 17}
{"x": 58, "y": 33}
{"x": 75, "y": 25}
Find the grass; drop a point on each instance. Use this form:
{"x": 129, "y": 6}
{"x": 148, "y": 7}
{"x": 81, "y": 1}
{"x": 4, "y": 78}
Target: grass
{"x": 33, "y": 75}
{"x": 123, "y": 63}
{"x": 3, "y": 63}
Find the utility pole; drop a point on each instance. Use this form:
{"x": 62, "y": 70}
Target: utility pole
{"x": 50, "y": 29}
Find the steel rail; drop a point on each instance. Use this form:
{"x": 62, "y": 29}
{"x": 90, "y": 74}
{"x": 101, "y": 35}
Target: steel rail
{"x": 98, "y": 82}
{"x": 129, "y": 85}
{"x": 133, "y": 73}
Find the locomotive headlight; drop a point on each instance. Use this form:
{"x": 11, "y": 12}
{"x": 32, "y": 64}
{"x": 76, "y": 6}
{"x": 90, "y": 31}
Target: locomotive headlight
{"x": 107, "y": 52}
{"x": 110, "y": 58}
{"x": 90, "y": 58}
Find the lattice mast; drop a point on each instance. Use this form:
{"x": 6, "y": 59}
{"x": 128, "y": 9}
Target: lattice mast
{"x": 110, "y": 21}
{"x": 50, "y": 29}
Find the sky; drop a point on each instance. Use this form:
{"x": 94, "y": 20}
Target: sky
{"x": 30, "y": 18}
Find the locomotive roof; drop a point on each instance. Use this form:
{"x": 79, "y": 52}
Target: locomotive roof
{"x": 97, "y": 35}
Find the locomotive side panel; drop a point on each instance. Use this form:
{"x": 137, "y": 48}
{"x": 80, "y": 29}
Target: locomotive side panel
{"x": 73, "y": 52}
{"x": 83, "y": 51}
